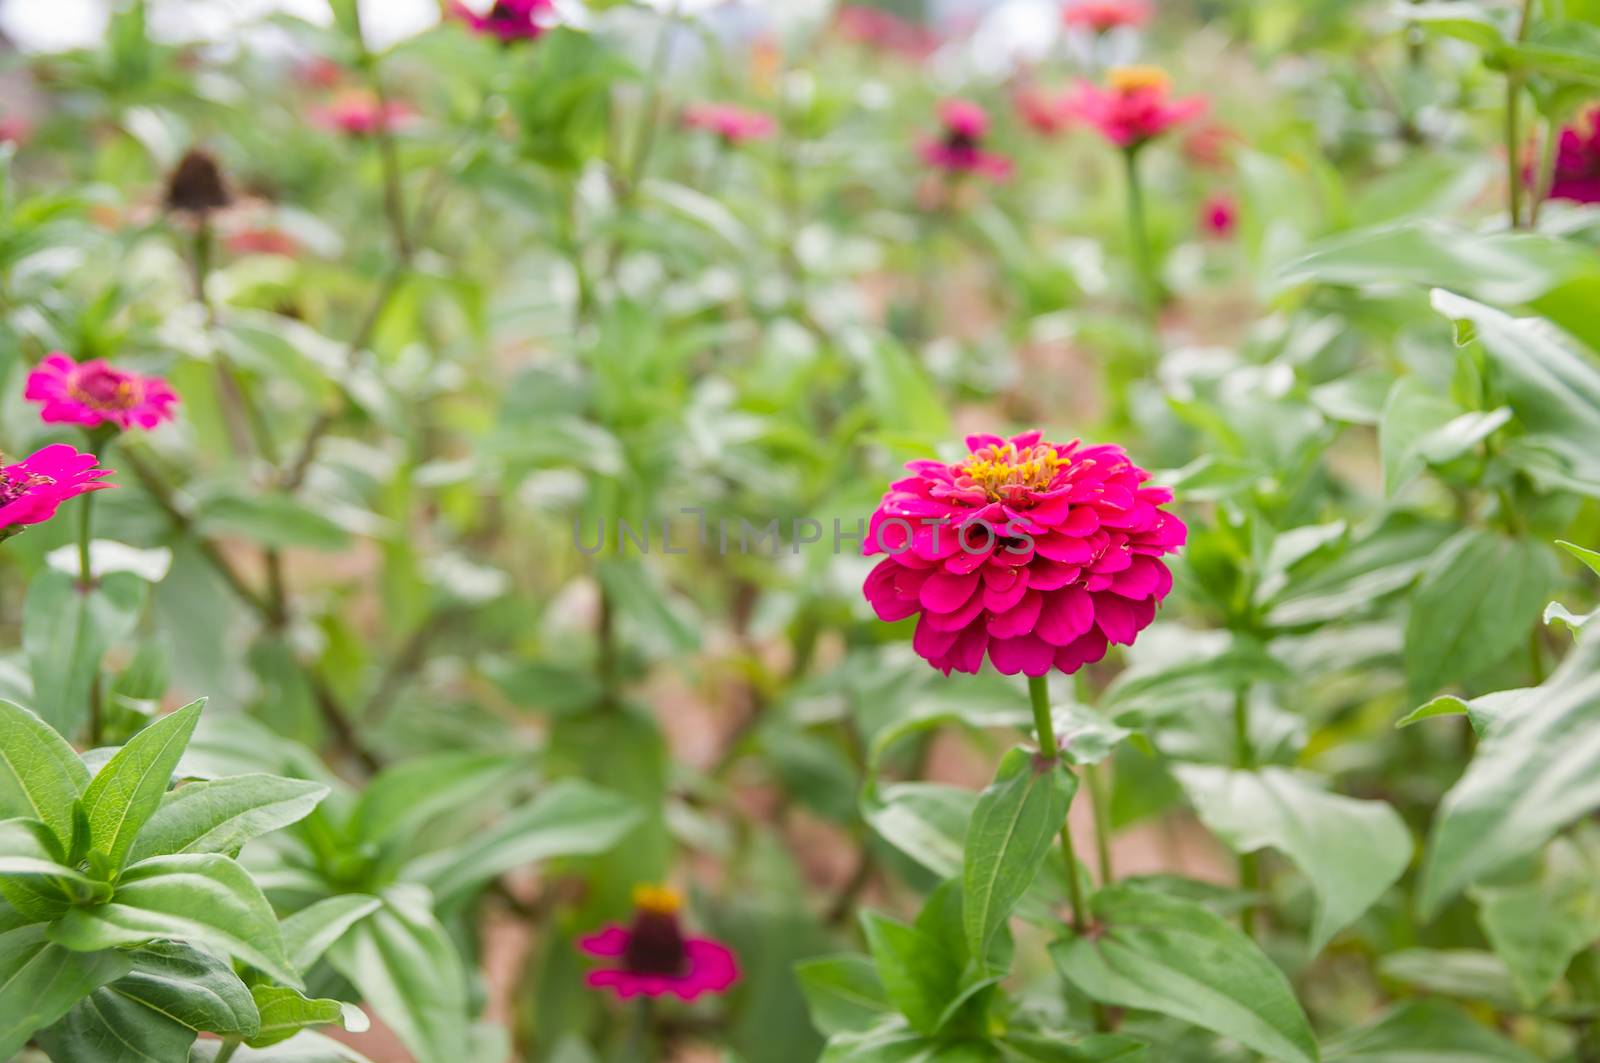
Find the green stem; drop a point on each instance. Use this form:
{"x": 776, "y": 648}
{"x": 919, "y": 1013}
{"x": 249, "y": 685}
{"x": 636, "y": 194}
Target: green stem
{"x": 229, "y": 1047}
{"x": 86, "y": 587}
{"x": 1545, "y": 176}
{"x": 639, "y": 1038}
{"x": 1514, "y": 125}
{"x": 1039, "y": 694}
{"x": 1139, "y": 231}
{"x": 1100, "y": 803}
{"x": 1244, "y": 753}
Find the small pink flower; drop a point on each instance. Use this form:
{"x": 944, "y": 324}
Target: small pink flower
{"x": 884, "y": 30}
{"x": 94, "y": 393}
{"x": 654, "y": 958}
{"x": 1136, "y": 107}
{"x": 1219, "y": 215}
{"x": 263, "y": 241}
{"x": 1036, "y": 554}
{"x": 1210, "y": 145}
{"x": 1577, "y": 172}
{"x": 358, "y": 113}
{"x": 733, "y": 124}
{"x": 1102, "y": 16}
{"x": 31, "y": 489}
{"x": 15, "y": 129}
{"x": 510, "y": 20}
{"x": 960, "y": 149}
{"x": 1048, "y": 112}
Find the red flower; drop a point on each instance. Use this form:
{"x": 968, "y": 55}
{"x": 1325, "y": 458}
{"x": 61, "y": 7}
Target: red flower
{"x": 1037, "y": 554}
{"x": 655, "y": 958}
{"x": 1219, "y": 215}
{"x": 1577, "y": 171}
{"x": 510, "y": 20}
{"x": 733, "y": 124}
{"x": 31, "y": 489}
{"x": 1137, "y": 107}
{"x": 1105, "y": 15}
{"x": 94, "y": 393}
{"x": 358, "y": 113}
{"x": 960, "y": 149}
{"x": 1047, "y": 111}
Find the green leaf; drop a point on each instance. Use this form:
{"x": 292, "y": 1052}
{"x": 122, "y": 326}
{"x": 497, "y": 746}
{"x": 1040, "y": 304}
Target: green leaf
{"x": 403, "y": 797}
{"x": 1064, "y": 1047}
{"x": 1425, "y": 1031}
{"x": 1591, "y": 558}
{"x": 844, "y": 993}
{"x": 129, "y": 789}
{"x": 571, "y": 818}
{"x": 1538, "y": 926}
{"x": 1411, "y": 413}
{"x": 1461, "y": 19}
{"x": 285, "y": 1012}
{"x": 271, "y": 520}
{"x": 219, "y": 816}
{"x": 188, "y": 986}
{"x": 893, "y": 1043}
{"x": 1350, "y": 851}
{"x": 1536, "y": 769}
{"x": 310, "y": 932}
{"x": 41, "y": 981}
{"x": 107, "y": 1027}
{"x": 1476, "y": 602}
{"x": 1470, "y": 974}
{"x": 200, "y": 897}
{"x": 65, "y": 633}
{"x": 1175, "y": 957}
{"x": 40, "y": 775}
{"x": 917, "y": 971}
{"x": 407, "y": 970}
{"x": 925, "y": 821}
{"x": 30, "y": 853}
{"x": 1013, "y": 830}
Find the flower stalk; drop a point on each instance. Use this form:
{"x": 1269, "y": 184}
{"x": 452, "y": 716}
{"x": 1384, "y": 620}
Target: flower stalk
{"x": 1039, "y": 694}
{"x": 1139, "y": 231}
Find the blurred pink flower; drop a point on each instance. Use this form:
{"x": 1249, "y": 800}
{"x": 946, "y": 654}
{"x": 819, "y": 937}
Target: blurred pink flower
{"x": 1104, "y": 15}
{"x": 1219, "y": 215}
{"x": 1577, "y": 170}
{"x": 95, "y": 393}
{"x": 733, "y": 124}
{"x": 1210, "y": 145}
{"x": 960, "y": 149}
{"x": 15, "y": 129}
{"x": 1037, "y": 554}
{"x": 31, "y": 489}
{"x": 262, "y": 241}
{"x": 510, "y": 20}
{"x": 1136, "y": 107}
{"x": 358, "y": 113}
{"x": 655, "y": 958}
{"x": 1047, "y": 111}
{"x": 885, "y": 30}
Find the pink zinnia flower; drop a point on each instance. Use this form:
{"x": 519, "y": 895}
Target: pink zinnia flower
{"x": 733, "y": 124}
{"x": 655, "y": 958}
{"x": 882, "y": 29}
{"x": 960, "y": 149}
{"x": 1577, "y": 170}
{"x": 510, "y": 20}
{"x": 1210, "y": 145}
{"x": 31, "y": 489}
{"x": 1137, "y": 106}
{"x": 358, "y": 113}
{"x": 1219, "y": 215}
{"x": 1103, "y": 16}
{"x": 1047, "y": 111}
{"x": 94, "y": 393}
{"x": 1037, "y": 554}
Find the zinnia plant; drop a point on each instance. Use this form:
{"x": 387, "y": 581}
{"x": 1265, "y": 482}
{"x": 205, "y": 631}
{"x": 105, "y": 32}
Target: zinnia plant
{"x": 33, "y": 488}
{"x": 510, "y": 20}
{"x": 959, "y": 148}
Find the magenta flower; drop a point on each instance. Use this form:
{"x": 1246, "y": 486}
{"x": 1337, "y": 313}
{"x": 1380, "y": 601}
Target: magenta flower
{"x": 1102, "y": 16}
{"x": 31, "y": 489}
{"x": 1037, "y": 554}
{"x": 94, "y": 393}
{"x": 960, "y": 149}
{"x": 1577, "y": 171}
{"x": 358, "y": 113}
{"x": 1219, "y": 215}
{"x": 510, "y": 20}
{"x": 1137, "y": 106}
{"x": 1048, "y": 112}
{"x": 655, "y": 958}
{"x": 733, "y": 124}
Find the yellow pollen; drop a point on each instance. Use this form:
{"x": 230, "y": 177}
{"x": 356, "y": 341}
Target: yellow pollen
{"x": 1002, "y": 471}
{"x": 1134, "y": 78}
{"x": 661, "y": 900}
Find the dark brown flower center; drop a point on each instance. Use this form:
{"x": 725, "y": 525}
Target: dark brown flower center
{"x": 503, "y": 12}
{"x": 197, "y": 185}
{"x": 655, "y": 944}
{"x": 106, "y": 389}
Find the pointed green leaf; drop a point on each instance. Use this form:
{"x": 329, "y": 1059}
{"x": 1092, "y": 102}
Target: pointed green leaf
{"x": 41, "y": 981}
{"x": 66, "y": 633}
{"x": 221, "y": 815}
{"x": 128, "y": 790}
{"x": 40, "y": 775}
{"x": 310, "y": 932}
{"x": 285, "y": 1012}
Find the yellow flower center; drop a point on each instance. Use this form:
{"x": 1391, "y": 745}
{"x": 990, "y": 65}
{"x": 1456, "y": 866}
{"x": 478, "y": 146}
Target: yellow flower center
{"x": 1003, "y": 471}
{"x": 660, "y": 900}
{"x": 1134, "y": 78}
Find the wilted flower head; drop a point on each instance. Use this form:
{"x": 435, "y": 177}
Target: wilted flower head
{"x": 359, "y": 113}
{"x": 1035, "y": 554}
{"x": 653, "y": 956}
{"x": 1219, "y": 215}
{"x": 1137, "y": 105}
{"x": 510, "y": 20}
{"x": 95, "y": 393}
{"x": 31, "y": 489}
{"x": 196, "y": 185}
{"x": 1102, "y": 16}
{"x": 733, "y": 124}
{"x": 882, "y": 29}
{"x": 1047, "y": 111}
{"x": 960, "y": 149}
{"x": 1577, "y": 170}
